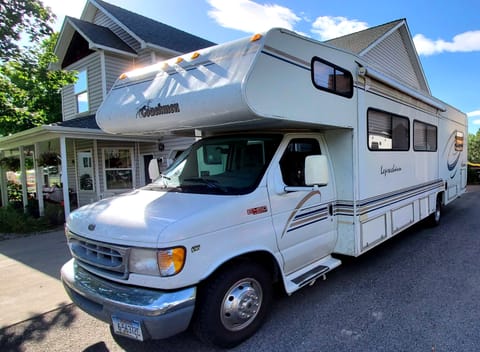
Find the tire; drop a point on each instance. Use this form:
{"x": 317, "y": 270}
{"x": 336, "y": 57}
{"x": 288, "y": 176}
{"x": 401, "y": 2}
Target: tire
{"x": 436, "y": 216}
{"x": 233, "y": 304}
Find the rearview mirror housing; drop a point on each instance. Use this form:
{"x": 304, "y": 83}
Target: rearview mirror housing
{"x": 316, "y": 170}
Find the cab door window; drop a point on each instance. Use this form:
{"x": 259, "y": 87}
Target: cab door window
{"x": 292, "y": 163}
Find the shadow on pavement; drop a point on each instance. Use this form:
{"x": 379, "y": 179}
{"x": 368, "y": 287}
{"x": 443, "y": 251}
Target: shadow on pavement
{"x": 12, "y": 338}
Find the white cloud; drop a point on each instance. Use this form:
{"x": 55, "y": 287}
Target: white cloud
{"x": 328, "y": 27}
{"x": 464, "y": 42}
{"x": 62, "y": 8}
{"x": 473, "y": 113}
{"x": 248, "y": 16}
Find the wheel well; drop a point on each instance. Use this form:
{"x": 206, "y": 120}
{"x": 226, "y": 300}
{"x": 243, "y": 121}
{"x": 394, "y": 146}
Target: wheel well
{"x": 263, "y": 258}
{"x": 441, "y": 197}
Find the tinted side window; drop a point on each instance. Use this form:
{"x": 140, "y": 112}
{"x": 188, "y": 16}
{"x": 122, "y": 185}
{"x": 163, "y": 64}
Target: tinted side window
{"x": 331, "y": 78}
{"x": 387, "y": 131}
{"x": 424, "y": 137}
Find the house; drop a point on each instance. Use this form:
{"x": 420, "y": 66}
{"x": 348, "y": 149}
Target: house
{"x": 105, "y": 42}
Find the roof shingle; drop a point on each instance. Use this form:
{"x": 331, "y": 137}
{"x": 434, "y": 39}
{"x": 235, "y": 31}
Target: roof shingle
{"x": 101, "y": 35}
{"x": 154, "y": 32}
{"x": 359, "y": 41}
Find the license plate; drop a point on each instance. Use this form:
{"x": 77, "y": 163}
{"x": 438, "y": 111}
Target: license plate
{"x": 128, "y": 328}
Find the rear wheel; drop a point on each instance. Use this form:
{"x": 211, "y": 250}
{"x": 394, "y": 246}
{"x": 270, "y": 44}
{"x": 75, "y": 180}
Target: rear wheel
{"x": 233, "y": 304}
{"x": 437, "y": 214}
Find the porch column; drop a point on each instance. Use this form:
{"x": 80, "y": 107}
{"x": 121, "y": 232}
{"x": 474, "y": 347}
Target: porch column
{"x": 66, "y": 196}
{"x": 3, "y": 186}
{"x": 39, "y": 180}
{"x": 96, "y": 162}
{"x": 23, "y": 178}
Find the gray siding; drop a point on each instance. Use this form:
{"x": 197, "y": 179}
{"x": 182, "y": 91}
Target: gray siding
{"x": 102, "y": 20}
{"x": 391, "y": 57}
{"x": 144, "y": 58}
{"x": 93, "y": 66}
{"x": 115, "y": 65}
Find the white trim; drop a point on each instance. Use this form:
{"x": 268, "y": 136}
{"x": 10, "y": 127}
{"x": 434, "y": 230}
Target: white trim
{"x": 96, "y": 170}
{"x": 104, "y": 75}
{"x": 39, "y": 180}
{"x": 23, "y": 177}
{"x": 120, "y": 24}
{"x": 100, "y": 48}
{"x": 380, "y": 39}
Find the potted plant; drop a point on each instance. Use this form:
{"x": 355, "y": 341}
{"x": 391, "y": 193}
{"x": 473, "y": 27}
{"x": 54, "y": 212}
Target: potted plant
{"x": 10, "y": 163}
{"x": 48, "y": 159}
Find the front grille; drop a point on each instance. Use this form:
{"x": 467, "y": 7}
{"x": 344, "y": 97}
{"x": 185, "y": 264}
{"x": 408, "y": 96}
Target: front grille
{"x": 99, "y": 257}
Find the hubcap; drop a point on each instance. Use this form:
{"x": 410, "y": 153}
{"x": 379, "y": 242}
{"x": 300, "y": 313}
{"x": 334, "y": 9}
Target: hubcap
{"x": 241, "y": 304}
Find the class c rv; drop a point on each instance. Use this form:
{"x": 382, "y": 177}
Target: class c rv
{"x": 305, "y": 154}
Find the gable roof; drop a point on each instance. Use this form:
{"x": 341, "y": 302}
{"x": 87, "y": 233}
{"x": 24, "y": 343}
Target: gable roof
{"x": 150, "y": 32}
{"x": 142, "y": 31}
{"x": 99, "y": 37}
{"x": 359, "y": 41}
{"x": 390, "y": 49}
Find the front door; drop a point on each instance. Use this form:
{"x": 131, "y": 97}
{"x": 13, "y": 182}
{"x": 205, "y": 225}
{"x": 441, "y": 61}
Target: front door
{"x": 303, "y": 219}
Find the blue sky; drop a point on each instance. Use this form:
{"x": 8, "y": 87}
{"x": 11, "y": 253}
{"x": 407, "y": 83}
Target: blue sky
{"x": 446, "y": 34}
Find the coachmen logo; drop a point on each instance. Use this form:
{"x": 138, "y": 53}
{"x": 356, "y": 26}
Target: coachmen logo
{"x": 159, "y": 109}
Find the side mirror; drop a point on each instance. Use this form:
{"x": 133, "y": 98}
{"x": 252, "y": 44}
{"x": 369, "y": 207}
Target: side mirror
{"x": 316, "y": 170}
{"x": 153, "y": 169}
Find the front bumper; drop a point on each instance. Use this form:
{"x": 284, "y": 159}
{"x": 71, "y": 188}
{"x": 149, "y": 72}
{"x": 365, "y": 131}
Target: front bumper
{"x": 161, "y": 313}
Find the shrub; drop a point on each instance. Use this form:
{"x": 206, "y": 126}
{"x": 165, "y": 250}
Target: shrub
{"x": 14, "y": 220}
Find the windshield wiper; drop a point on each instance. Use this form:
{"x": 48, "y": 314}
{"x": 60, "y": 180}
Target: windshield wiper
{"x": 214, "y": 184}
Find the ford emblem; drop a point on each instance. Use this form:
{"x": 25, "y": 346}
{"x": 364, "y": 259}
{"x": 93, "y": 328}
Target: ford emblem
{"x": 91, "y": 227}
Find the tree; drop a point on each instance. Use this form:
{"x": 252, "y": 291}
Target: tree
{"x": 29, "y": 91}
{"x": 474, "y": 147}
{"x": 19, "y": 17}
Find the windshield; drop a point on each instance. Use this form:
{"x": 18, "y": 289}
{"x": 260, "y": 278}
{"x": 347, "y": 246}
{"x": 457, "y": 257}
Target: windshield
{"x": 229, "y": 165}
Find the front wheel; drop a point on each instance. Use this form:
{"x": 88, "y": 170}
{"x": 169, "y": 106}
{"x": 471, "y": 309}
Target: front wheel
{"x": 233, "y": 304}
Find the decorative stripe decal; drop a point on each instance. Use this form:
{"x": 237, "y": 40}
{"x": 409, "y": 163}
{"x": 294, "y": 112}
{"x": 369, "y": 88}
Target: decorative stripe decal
{"x": 346, "y": 208}
{"x": 283, "y": 56}
{"x": 301, "y": 217}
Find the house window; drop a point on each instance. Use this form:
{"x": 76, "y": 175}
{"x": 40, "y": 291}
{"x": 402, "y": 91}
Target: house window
{"x": 331, "y": 78}
{"x": 387, "y": 131}
{"x": 85, "y": 170}
{"x": 118, "y": 168}
{"x": 424, "y": 137}
{"x": 80, "y": 90}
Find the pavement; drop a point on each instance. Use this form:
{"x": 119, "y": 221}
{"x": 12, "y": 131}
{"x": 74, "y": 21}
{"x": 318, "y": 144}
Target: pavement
{"x": 30, "y": 276}
{"x": 30, "y": 281}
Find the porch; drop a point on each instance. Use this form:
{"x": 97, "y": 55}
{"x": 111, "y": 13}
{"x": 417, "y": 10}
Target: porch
{"x": 73, "y": 163}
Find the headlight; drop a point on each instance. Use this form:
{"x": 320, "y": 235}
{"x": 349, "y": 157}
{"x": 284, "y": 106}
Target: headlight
{"x": 163, "y": 262}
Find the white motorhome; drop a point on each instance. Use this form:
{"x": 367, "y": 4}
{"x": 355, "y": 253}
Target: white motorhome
{"x": 306, "y": 153}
